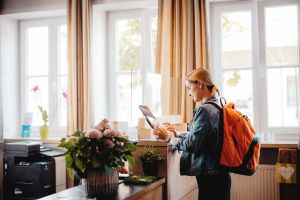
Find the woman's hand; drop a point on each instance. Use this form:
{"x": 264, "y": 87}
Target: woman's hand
{"x": 165, "y": 132}
{"x": 170, "y": 128}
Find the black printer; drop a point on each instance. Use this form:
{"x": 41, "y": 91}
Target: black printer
{"x": 27, "y": 173}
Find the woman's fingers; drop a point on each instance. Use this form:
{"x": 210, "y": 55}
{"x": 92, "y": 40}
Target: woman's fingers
{"x": 156, "y": 131}
{"x": 171, "y": 128}
{"x": 165, "y": 131}
{"x": 167, "y": 124}
{"x": 160, "y": 133}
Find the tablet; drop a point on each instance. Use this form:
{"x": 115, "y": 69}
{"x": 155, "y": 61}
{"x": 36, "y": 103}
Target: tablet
{"x": 152, "y": 121}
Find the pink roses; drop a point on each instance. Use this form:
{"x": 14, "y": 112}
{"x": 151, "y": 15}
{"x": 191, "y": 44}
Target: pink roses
{"x": 103, "y": 129}
{"x": 99, "y": 148}
{"x": 93, "y": 133}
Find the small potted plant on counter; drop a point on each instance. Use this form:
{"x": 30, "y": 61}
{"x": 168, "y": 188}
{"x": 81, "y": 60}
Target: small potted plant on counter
{"x": 150, "y": 159}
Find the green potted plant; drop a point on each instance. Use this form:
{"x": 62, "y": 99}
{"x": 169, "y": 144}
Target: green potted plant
{"x": 150, "y": 159}
{"x": 97, "y": 155}
{"x": 44, "y": 129}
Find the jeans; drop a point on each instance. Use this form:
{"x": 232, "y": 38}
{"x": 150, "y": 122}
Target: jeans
{"x": 214, "y": 187}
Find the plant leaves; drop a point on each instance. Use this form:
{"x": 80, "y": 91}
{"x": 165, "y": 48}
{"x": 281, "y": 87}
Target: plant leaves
{"x": 79, "y": 164}
{"x": 95, "y": 161}
{"x": 40, "y": 108}
{"x": 77, "y": 134}
{"x": 130, "y": 160}
{"x": 109, "y": 170}
{"x": 62, "y": 142}
{"x": 69, "y": 160}
{"x": 71, "y": 173}
{"x": 85, "y": 151}
{"x": 130, "y": 146}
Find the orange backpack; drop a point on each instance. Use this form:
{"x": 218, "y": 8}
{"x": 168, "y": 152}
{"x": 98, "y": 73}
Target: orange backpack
{"x": 240, "y": 148}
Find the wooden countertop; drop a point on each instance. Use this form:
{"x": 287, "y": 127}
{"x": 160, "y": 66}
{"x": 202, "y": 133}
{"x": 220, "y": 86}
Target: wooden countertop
{"x": 280, "y": 144}
{"x": 128, "y": 192}
{"x": 265, "y": 144}
{"x": 152, "y": 142}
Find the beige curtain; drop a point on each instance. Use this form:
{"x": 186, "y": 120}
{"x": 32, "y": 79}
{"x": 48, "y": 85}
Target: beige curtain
{"x": 79, "y": 92}
{"x": 181, "y": 47}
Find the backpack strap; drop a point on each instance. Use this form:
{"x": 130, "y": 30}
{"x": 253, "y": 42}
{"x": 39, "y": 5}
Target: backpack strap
{"x": 215, "y": 105}
{"x": 223, "y": 101}
{"x": 221, "y": 127}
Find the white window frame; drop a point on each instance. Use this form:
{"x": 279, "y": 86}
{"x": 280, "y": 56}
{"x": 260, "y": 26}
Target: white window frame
{"x": 258, "y": 58}
{"x": 146, "y": 66}
{"x": 53, "y": 24}
{"x": 285, "y": 132}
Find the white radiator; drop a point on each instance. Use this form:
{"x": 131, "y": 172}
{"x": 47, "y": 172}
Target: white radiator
{"x": 260, "y": 186}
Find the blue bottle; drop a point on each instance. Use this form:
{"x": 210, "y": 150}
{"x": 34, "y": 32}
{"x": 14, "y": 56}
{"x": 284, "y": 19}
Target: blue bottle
{"x": 25, "y": 131}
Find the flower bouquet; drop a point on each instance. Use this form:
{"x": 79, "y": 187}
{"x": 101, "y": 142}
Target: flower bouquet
{"x": 100, "y": 148}
{"x": 97, "y": 155}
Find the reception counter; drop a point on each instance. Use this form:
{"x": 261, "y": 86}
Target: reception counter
{"x": 127, "y": 192}
{"x": 177, "y": 187}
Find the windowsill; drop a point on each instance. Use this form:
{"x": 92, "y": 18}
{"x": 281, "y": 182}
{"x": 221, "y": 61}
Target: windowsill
{"x": 52, "y": 140}
{"x": 55, "y": 140}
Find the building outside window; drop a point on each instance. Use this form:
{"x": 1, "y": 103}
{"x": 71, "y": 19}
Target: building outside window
{"x": 255, "y": 58}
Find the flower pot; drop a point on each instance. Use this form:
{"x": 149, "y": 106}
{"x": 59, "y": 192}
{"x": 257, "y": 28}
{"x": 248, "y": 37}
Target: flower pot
{"x": 44, "y": 132}
{"x": 100, "y": 184}
{"x": 150, "y": 168}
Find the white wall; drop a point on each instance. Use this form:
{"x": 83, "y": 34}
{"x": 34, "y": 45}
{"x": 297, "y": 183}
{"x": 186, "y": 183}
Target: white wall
{"x": 1, "y": 118}
{"x": 20, "y": 6}
{"x": 110, "y": 5}
{"x": 9, "y": 65}
{"x": 1, "y": 121}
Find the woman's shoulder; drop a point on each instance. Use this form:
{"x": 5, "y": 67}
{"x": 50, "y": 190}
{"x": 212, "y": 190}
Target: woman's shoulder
{"x": 212, "y": 103}
{"x": 208, "y": 107}
{"x": 201, "y": 110}
{"x": 206, "y": 104}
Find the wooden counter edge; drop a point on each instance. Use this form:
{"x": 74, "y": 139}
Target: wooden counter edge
{"x": 282, "y": 145}
{"x": 151, "y": 142}
{"x": 150, "y": 187}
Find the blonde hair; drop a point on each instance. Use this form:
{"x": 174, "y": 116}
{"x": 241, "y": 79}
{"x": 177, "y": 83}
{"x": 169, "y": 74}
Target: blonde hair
{"x": 205, "y": 77}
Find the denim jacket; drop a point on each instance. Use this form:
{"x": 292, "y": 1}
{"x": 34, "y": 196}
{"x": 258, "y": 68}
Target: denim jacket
{"x": 202, "y": 140}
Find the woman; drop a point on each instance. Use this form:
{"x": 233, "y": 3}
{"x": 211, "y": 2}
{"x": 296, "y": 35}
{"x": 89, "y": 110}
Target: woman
{"x": 203, "y": 139}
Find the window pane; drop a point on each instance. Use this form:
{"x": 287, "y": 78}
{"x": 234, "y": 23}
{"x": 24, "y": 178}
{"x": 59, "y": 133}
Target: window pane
{"x": 129, "y": 97}
{"x": 282, "y": 97}
{"x": 129, "y": 44}
{"x": 282, "y": 36}
{"x": 237, "y": 88}
{"x": 36, "y": 98}
{"x": 63, "y": 97}
{"x": 153, "y": 95}
{"x": 37, "y": 51}
{"x": 153, "y": 41}
{"x": 236, "y": 40}
{"x": 62, "y": 55}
